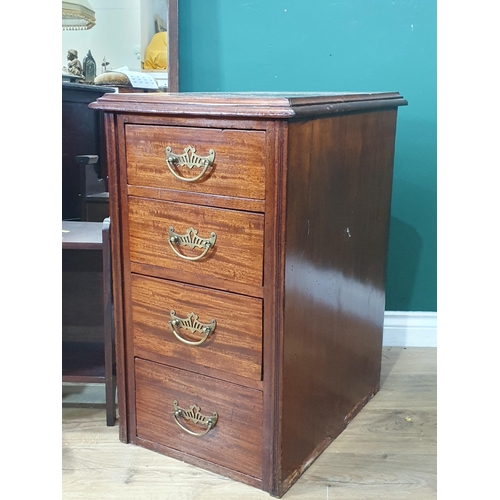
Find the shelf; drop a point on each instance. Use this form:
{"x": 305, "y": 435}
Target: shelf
{"x": 83, "y": 362}
{"x": 79, "y": 235}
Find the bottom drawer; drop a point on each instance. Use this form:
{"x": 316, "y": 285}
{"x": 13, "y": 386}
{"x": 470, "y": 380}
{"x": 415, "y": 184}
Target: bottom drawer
{"x": 235, "y": 441}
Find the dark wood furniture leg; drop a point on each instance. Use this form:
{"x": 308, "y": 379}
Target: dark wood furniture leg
{"x": 109, "y": 340}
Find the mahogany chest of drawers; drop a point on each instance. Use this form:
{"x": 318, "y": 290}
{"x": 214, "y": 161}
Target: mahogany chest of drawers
{"x": 249, "y": 245}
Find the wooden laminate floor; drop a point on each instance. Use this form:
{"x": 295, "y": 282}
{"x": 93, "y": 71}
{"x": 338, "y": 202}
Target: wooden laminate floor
{"x": 387, "y": 452}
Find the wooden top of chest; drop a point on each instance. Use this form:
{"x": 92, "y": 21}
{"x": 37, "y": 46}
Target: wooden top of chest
{"x": 246, "y": 104}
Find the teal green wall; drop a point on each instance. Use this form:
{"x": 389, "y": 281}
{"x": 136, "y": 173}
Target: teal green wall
{"x": 326, "y": 45}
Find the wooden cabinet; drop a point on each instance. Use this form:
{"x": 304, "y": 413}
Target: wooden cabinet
{"x": 249, "y": 255}
{"x": 87, "y": 308}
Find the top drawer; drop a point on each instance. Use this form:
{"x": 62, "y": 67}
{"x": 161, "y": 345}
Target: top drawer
{"x": 236, "y": 168}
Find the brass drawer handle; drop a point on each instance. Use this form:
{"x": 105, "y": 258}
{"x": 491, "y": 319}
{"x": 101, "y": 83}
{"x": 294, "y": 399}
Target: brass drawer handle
{"x": 194, "y": 415}
{"x": 192, "y": 240}
{"x": 192, "y": 324}
{"x": 190, "y": 159}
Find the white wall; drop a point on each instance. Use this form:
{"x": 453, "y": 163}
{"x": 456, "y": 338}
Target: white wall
{"x": 116, "y": 34}
{"x": 410, "y": 329}
{"x": 148, "y": 10}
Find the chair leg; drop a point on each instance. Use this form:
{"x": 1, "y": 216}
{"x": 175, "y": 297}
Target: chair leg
{"x": 109, "y": 345}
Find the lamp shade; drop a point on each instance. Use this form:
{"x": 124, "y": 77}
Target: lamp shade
{"x": 77, "y": 15}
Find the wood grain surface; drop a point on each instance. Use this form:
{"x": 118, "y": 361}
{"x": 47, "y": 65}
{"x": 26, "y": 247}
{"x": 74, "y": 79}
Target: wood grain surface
{"x": 388, "y": 452}
{"x": 238, "y": 169}
{"x": 235, "y": 346}
{"x": 236, "y": 256}
{"x": 235, "y": 442}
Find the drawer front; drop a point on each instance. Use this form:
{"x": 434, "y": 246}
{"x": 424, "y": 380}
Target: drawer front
{"x": 233, "y": 343}
{"x": 234, "y": 442}
{"x": 237, "y": 168}
{"x": 236, "y": 253}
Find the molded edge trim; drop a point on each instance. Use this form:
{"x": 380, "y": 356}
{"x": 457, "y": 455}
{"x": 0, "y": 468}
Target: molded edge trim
{"x": 259, "y": 105}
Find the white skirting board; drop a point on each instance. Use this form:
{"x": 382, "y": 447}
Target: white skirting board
{"x": 410, "y": 329}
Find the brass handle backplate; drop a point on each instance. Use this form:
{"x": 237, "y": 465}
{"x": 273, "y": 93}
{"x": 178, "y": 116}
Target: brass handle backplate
{"x": 189, "y": 159}
{"x": 193, "y": 415}
{"x": 191, "y": 240}
{"x": 192, "y": 324}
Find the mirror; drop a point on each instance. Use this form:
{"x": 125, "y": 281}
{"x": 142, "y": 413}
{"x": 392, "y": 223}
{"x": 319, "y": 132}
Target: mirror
{"x": 141, "y": 35}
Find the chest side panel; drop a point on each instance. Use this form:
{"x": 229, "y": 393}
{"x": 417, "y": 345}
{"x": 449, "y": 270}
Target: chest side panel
{"x": 338, "y": 208}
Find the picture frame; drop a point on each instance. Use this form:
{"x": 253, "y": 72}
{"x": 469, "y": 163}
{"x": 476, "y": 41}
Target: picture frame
{"x": 173, "y": 45}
